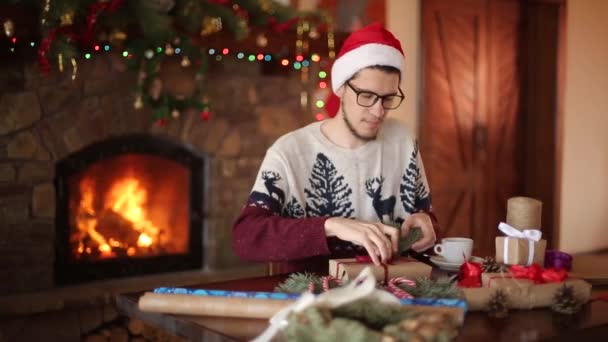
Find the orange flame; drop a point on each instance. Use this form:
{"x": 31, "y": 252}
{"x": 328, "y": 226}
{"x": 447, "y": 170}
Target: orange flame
{"x": 126, "y": 198}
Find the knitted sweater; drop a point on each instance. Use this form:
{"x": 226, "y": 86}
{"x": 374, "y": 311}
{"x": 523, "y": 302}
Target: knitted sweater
{"x": 305, "y": 179}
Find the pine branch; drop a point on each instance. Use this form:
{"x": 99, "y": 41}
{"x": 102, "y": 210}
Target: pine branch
{"x": 155, "y": 26}
{"x": 412, "y": 236}
{"x": 373, "y": 314}
{"x": 298, "y": 283}
{"x": 405, "y": 243}
{"x": 429, "y": 288}
{"x": 148, "y": 27}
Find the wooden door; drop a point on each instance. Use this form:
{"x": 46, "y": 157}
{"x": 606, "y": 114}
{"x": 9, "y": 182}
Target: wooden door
{"x": 468, "y": 129}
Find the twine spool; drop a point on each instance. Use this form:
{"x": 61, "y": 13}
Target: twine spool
{"x": 524, "y": 213}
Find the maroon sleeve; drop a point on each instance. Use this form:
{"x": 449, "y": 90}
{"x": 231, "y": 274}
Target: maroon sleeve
{"x": 260, "y": 235}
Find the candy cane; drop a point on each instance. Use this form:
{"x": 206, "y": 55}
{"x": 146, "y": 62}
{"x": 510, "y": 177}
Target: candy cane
{"x": 311, "y": 287}
{"x": 327, "y": 279}
{"x": 393, "y": 287}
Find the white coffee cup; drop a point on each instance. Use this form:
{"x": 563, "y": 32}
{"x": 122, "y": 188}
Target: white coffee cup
{"x": 455, "y": 249}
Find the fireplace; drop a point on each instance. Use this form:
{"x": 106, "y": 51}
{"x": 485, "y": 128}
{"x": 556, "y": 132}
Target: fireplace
{"x": 128, "y": 206}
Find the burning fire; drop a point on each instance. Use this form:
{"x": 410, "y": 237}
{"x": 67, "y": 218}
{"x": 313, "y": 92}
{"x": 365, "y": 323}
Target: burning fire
{"x": 122, "y": 224}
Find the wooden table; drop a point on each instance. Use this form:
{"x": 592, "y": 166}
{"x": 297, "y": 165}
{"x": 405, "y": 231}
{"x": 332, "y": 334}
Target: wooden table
{"x": 520, "y": 325}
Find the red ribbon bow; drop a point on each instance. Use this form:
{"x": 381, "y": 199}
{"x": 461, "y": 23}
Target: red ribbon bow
{"x": 469, "y": 274}
{"x": 537, "y": 274}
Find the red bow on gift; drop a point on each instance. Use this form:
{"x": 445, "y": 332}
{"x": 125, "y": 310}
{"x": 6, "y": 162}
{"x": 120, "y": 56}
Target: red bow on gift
{"x": 537, "y": 274}
{"x": 470, "y": 274}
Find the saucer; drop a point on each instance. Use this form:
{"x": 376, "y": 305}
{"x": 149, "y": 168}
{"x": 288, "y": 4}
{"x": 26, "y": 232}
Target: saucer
{"x": 445, "y": 265}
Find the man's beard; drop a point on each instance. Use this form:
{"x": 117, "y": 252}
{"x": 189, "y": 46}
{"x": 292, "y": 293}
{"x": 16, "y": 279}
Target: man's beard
{"x": 351, "y": 128}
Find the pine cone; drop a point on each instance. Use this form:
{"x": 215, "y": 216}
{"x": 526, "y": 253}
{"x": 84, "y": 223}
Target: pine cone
{"x": 489, "y": 265}
{"x": 565, "y": 301}
{"x": 497, "y": 305}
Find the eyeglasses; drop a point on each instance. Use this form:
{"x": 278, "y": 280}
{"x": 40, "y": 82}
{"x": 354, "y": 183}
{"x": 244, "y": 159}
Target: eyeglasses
{"x": 367, "y": 98}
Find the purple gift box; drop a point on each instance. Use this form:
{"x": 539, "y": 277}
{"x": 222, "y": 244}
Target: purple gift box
{"x": 558, "y": 260}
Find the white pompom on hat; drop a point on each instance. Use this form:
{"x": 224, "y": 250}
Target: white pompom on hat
{"x": 368, "y": 46}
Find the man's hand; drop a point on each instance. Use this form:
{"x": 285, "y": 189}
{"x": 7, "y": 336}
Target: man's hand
{"x": 423, "y": 221}
{"x": 371, "y": 235}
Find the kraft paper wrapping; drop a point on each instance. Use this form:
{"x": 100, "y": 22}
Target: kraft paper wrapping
{"x": 525, "y": 296}
{"x": 211, "y": 306}
{"x": 347, "y": 269}
{"x": 503, "y": 280}
{"x": 518, "y": 251}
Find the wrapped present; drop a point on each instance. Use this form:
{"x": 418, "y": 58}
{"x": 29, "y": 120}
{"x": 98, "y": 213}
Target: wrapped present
{"x": 347, "y": 269}
{"x": 525, "y": 287}
{"x": 523, "y": 243}
{"x": 520, "y": 251}
{"x": 525, "y": 297}
{"x": 558, "y": 260}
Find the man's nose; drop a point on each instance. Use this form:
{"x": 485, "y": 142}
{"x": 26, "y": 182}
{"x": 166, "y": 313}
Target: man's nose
{"x": 377, "y": 110}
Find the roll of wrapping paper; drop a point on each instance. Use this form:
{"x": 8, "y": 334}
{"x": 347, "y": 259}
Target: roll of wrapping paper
{"x": 243, "y": 304}
{"x": 263, "y": 308}
{"x": 185, "y": 304}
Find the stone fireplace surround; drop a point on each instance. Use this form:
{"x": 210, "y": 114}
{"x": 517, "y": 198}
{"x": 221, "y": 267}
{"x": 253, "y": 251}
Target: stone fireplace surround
{"x": 45, "y": 118}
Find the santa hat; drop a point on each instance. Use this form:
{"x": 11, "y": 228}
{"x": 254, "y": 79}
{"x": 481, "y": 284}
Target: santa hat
{"x": 368, "y": 46}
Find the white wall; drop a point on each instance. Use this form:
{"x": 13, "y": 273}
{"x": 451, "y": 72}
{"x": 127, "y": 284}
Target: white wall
{"x": 584, "y": 183}
{"x": 403, "y": 19}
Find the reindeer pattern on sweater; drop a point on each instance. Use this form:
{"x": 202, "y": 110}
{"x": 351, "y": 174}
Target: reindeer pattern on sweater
{"x": 305, "y": 175}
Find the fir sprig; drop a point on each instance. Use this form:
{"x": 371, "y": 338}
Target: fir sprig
{"x": 429, "y": 288}
{"x": 298, "y": 283}
{"x": 425, "y": 287}
{"x": 373, "y": 315}
{"x": 406, "y": 242}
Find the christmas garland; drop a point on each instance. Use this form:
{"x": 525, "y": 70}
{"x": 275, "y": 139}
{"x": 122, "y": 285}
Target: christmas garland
{"x": 358, "y": 311}
{"x": 146, "y": 33}
{"x": 419, "y": 288}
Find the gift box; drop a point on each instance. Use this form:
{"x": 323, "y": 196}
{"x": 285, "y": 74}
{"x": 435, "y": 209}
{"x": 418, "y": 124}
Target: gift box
{"x": 347, "y": 269}
{"x": 520, "y": 251}
{"x": 526, "y": 296}
{"x": 523, "y": 243}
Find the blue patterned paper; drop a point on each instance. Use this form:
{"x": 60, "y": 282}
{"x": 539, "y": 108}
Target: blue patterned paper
{"x": 225, "y": 293}
{"x": 454, "y": 303}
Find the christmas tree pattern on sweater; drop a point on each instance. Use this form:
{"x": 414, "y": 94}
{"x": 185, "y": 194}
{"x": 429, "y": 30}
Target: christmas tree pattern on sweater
{"x": 329, "y": 194}
{"x": 413, "y": 192}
